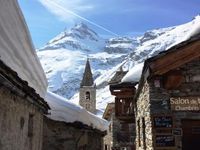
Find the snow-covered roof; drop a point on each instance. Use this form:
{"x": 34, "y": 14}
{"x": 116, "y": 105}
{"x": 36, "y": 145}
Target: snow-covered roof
{"x": 16, "y": 49}
{"x": 63, "y": 110}
{"x": 134, "y": 73}
{"x": 195, "y": 30}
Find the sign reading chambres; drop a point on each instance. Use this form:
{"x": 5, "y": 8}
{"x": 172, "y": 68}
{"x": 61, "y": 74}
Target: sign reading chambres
{"x": 185, "y": 103}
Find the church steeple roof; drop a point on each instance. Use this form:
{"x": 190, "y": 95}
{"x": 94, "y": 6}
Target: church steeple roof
{"x": 87, "y": 76}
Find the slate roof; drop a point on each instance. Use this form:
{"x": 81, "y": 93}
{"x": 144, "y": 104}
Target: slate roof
{"x": 118, "y": 77}
{"x": 87, "y": 76}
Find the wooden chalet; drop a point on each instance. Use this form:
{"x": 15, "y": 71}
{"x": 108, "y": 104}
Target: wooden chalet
{"x": 168, "y": 99}
{"x": 124, "y": 94}
{"x": 124, "y": 110}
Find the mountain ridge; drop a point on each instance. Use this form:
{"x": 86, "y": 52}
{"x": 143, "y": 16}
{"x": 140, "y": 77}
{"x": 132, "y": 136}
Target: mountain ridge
{"x": 64, "y": 65}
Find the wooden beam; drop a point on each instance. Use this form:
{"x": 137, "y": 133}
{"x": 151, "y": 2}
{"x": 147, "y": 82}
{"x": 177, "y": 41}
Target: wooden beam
{"x": 176, "y": 58}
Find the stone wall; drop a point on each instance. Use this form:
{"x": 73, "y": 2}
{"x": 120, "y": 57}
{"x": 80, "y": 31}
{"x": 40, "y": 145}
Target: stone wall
{"x": 108, "y": 139}
{"x": 111, "y": 138}
{"x": 63, "y": 136}
{"x": 154, "y": 100}
{"x": 90, "y": 104}
{"x": 144, "y": 133}
{"x": 160, "y": 97}
{"x": 21, "y": 124}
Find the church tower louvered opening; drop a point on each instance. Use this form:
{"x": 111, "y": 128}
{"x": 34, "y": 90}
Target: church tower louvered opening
{"x": 87, "y": 93}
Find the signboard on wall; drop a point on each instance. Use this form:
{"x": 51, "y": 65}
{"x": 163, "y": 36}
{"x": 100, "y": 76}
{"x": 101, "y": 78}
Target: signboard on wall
{"x": 185, "y": 103}
{"x": 164, "y": 141}
{"x": 163, "y": 121}
{"x": 177, "y": 131}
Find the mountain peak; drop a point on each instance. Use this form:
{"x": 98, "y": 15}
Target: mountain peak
{"x": 80, "y": 37}
{"x": 84, "y": 31}
{"x": 81, "y": 25}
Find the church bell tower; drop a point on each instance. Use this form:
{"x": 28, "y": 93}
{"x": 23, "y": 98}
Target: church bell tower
{"x": 87, "y": 93}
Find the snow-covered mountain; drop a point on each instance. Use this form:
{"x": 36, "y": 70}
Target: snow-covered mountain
{"x": 80, "y": 37}
{"x": 63, "y": 58}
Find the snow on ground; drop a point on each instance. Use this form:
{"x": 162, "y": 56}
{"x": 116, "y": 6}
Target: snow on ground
{"x": 64, "y": 110}
{"x": 16, "y": 49}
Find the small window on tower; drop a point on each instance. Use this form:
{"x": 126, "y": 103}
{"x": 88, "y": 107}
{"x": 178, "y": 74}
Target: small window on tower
{"x": 87, "y": 95}
{"x": 87, "y": 106}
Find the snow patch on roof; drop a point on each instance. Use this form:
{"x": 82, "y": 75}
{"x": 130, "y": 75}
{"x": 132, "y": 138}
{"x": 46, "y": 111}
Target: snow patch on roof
{"x": 16, "y": 49}
{"x": 195, "y": 28}
{"x": 63, "y": 110}
{"x": 134, "y": 73}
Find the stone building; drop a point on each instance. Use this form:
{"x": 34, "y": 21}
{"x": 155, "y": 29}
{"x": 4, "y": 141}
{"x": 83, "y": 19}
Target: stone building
{"x": 122, "y": 115}
{"x": 110, "y": 140}
{"x": 21, "y": 113}
{"x": 108, "y": 115}
{"x": 71, "y": 136}
{"x": 87, "y": 93}
{"x": 168, "y": 99}
{"x": 22, "y": 84}
{"x": 70, "y": 127}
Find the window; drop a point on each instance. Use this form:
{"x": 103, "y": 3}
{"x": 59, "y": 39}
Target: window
{"x": 143, "y": 133}
{"x": 106, "y": 147}
{"x": 87, "y": 95}
{"x": 87, "y": 106}
{"x": 110, "y": 128}
{"x": 132, "y": 139}
{"x": 138, "y": 124}
{"x": 22, "y": 122}
{"x": 30, "y": 125}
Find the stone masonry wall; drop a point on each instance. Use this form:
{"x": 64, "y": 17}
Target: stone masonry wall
{"x": 14, "y": 123}
{"x": 160, "y": 97}
{"x": 108, "y": 139}
{"x": 92, "y": 102}
{"x": 111, "y": 138}
{"x": 63, "y": 136}
{"x": 143, "y": 113}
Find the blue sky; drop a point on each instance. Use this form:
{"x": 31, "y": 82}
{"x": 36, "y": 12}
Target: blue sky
{"x": 47, "y": 18}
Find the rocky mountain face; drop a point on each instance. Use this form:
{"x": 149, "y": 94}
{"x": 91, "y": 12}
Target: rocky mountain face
{"x": 64, "y": 57}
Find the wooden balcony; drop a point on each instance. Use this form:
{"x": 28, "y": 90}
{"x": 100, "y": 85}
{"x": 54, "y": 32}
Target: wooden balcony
{"x": 122, "y": 89}
{"x": 124, "y": 109}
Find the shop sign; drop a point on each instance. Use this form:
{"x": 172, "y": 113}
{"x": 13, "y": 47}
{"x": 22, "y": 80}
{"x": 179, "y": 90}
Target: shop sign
{"x": 185, "y": 103}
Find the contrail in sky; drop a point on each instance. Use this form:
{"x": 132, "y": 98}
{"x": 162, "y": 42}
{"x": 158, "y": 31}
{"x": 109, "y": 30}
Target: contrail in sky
{"x": 85, "y": 19}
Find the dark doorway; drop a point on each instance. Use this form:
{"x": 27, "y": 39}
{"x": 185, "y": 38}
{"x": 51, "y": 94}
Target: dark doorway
{"x": 191, "y": 134}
